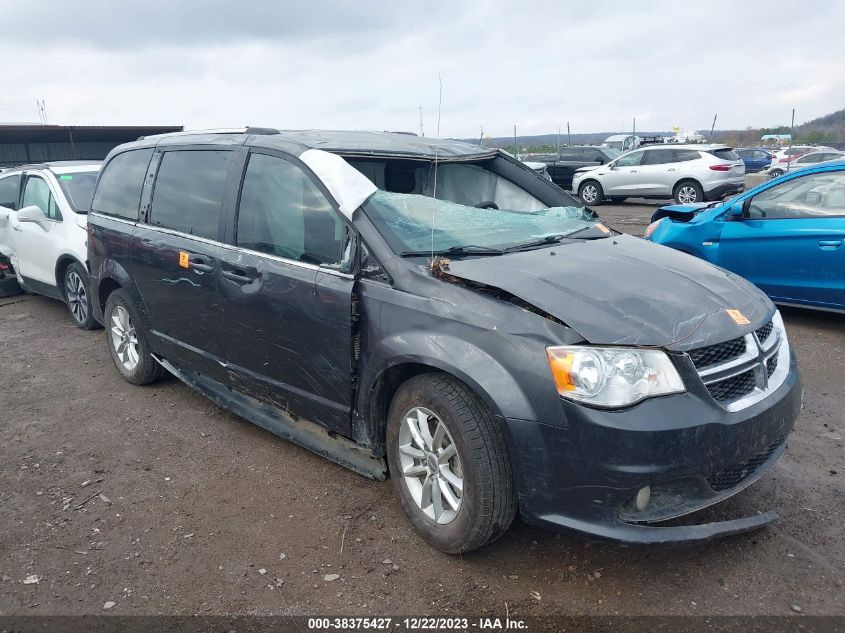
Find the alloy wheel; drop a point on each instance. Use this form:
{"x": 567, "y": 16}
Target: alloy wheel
{"x": 431, "y": 467}
{"x": 687, "y": 195}
{"x": 77, "y": 296}
{"x": 589, "y": 193}
{"x": 124, "y": 338}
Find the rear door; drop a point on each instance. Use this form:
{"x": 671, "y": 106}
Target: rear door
{"x": 288, "y": 303}
{"x": 176, "y": 252}
{"x": 792, "y": 242}
{"x": 10, "y": 185}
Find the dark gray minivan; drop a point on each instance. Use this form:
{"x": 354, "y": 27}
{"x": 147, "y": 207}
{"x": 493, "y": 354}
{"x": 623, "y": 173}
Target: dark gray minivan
{"x": 437, "y": 310}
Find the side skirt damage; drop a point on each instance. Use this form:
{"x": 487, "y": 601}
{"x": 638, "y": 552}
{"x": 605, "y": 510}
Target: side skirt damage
{"x": 314, "y": 437}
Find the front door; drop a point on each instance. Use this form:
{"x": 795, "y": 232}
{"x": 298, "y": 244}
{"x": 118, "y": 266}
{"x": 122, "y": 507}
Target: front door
{"x": 621, "y": 177}
{"x": 176, "y": 253}
{"x": 791, "y": 242}
{"x": 288, "y": 303}
{"x": 658, "y": 172}
{"x": 36, "y": 246}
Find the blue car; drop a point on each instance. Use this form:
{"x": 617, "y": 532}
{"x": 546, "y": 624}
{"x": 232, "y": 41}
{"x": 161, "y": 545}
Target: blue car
{"x": 755, "y": 158}
{"x": 787, "y": 235}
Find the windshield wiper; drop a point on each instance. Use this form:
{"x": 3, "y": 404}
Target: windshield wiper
{"x": 548, "y": 239}
{"x": 467, "y": 249}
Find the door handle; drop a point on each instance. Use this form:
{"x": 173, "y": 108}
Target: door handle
{"x": 200, "y": 264}
{"x": 831, "y": 244}
{"x": 239, "y": 274}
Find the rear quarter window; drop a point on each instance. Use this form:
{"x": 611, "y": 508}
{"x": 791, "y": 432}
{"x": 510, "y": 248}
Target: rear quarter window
{"x": 725, "y": 154}
{"x": 683, "y": 155}
{"x": 119, "y": 188}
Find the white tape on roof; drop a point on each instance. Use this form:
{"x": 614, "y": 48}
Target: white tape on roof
{"x": 348, "y": 186}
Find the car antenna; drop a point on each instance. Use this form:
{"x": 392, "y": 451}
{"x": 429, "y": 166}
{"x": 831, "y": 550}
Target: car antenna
{"x": 434, "y": 191}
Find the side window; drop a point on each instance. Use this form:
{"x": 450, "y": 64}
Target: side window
{"x": 9, "y": 191}
{"x": 594, "y": 155}
{"x": 811, "y": 196}
{"x": 683, "y": 155}
{"x": 659, "y": 157}
{"x": 570, "y": 153}
{"x": 119, "y": 188}
{"x": 630, "y": 160}
{"x": 760, "y": 155}
{"x": 282, "y": 212}
{"x": 189, "y": 190}
{"x": 37, "y": 192}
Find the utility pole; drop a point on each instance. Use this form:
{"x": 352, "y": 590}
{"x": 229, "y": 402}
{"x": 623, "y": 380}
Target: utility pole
{"x": 515, "y": 146}
{"x": 568, "y": 136}
{"x": 713, "y": 127}
{"x": 422, "y": 132}
{"x": 481, "y": 135}
{"x": 558, "y": 138}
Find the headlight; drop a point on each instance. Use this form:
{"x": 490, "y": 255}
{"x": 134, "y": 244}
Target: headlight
{"x": 612, "y": 376}
{"x": 651, "y": 227}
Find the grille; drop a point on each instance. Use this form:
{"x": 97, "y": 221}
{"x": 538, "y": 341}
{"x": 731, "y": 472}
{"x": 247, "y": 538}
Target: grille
{"x": 718, "y": 353}
{"x": 764, "y": 332}
{"x": 733, "y": 476}
{"x": 734, "y": 387}
{"x": 771, "y": 365}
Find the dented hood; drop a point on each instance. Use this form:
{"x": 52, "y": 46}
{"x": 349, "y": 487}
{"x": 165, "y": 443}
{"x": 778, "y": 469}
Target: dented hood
{"x": 624, "y": 290}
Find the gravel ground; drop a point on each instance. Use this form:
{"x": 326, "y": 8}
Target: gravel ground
{"x": 157, "y": 501}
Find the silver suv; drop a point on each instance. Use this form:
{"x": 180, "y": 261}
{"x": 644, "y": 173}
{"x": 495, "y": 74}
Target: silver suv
{"x": 687, "y": 173}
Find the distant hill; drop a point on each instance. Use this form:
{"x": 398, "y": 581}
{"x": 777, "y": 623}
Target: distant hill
{"x": 826, "y": 129}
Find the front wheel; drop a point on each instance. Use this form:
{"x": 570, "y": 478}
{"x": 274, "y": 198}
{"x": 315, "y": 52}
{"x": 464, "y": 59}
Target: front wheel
{"x": 591, "y": 193}
{"x": 449, "y": 463}
{"x": 688, "y": 192}
{"x": 77, "y": 298}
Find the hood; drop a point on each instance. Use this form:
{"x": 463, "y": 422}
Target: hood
{"x": 581, "y": 170}
{"x": 626, "y": 291}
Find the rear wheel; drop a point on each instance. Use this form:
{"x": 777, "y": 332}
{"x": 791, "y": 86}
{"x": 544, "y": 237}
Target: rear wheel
{"x": 127, "y": 341}
{"x": 77, "y": 298}
{"x": 776, "y": 173}
{"x": 449, "y": 463}
{"x": 688, "y": 192}
{"x": 591, "y": 193}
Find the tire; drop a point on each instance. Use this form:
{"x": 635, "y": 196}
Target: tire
{"x": 123, "y": 325}
{"x": 618, "y": 199}
{"x": 591, "y": 193}
{"x": 688, "y": 192}
{"x": 486, "y": 499}
{"x": 77, "y": 297}
{"x": 775, "y": 173}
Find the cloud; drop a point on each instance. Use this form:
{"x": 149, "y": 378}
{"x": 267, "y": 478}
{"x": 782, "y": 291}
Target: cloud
{"x": 369, "y": 64}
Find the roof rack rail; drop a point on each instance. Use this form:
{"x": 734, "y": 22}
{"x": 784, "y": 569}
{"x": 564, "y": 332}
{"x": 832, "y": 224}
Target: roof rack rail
{"x": 224, "y": 130}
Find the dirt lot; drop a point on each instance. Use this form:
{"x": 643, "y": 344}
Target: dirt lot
{"x": 203, "y": 513}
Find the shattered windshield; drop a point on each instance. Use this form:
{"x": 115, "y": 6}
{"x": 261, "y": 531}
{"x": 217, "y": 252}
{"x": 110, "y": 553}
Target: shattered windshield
{"x": 406, "y": 221}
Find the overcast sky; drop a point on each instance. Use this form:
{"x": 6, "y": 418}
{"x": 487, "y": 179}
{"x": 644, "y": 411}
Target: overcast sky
{"x": 366, "y": 64}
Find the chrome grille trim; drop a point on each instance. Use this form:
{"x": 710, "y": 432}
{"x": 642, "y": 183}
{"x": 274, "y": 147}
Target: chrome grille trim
{"x": 756, "y": 359}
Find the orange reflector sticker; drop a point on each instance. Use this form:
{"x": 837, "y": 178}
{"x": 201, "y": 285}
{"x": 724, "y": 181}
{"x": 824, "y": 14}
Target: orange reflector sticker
{"x": 183, "y": 259}
{"x": 738, "y": 317}
{"x": 601, "y": 227}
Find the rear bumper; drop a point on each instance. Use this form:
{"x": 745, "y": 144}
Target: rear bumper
{"x": 691, "y": 453}
{"x": 724, "y": 189}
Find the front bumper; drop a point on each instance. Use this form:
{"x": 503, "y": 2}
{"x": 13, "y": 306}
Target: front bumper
{"x": 690, "y": 451}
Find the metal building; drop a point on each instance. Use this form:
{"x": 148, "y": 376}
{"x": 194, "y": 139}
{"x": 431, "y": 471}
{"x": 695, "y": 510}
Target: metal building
{"x": 33, "y": 143}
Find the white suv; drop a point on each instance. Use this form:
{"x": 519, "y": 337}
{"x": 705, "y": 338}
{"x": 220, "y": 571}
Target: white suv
{"x": 687, "y": 173}
{"x": 43, "y": 230}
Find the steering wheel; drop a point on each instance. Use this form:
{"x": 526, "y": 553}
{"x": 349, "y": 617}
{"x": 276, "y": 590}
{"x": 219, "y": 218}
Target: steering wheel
{"x": 487, "y": 204}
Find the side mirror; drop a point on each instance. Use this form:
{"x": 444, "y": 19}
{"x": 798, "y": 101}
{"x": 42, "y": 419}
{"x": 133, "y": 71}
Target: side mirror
{"x": 34, "y": 214}
{"x": 737, "y": 209}
{"x": 611, "y": 165}
{"x": 600, "y": 161}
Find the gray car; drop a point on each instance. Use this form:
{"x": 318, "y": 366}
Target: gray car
{"x": 687, "y": 173}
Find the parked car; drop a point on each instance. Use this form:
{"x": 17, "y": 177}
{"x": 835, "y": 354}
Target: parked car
{"x": 787, "y": 154}
{"x": 43, "y": 217}
{"x": 804, "y": 160}
{"x": 786, "y": 236}
{"x": 496, "y": 348}
{"x": 687, "y": 173}
{"x": 755, "y": 158}
{"x": 562, "y": 165}
{"x": 539, "y": 167}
